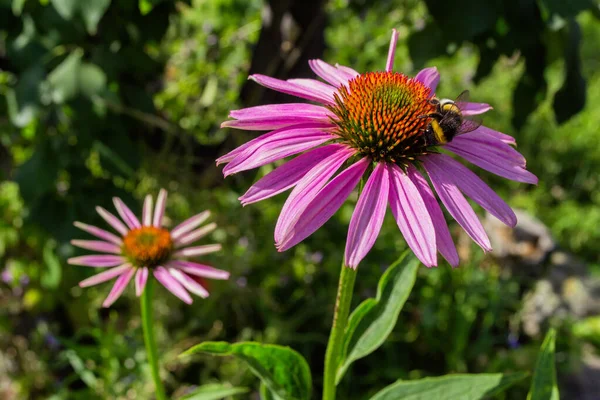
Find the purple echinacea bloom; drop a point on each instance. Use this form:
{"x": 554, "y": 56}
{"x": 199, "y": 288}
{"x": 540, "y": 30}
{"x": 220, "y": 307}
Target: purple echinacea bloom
{"x": 145, "y": 246}
{"x": 372, "y": 125}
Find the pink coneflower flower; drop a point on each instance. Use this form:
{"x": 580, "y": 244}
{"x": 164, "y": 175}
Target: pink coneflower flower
{"x": 371, "y": 125}
{"x": 141, "y": 247}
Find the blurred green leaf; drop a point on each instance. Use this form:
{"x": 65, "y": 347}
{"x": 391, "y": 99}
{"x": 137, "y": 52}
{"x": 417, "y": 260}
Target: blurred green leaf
{"x": 373, "y": 320}
{"x": 50, "y": 278}
{"x": 587, "y": 329}
{"x": 284, "y": 371}
{"x": 92, "y": 11}
{"x": 543, "y": 384}
{"x": 92, "y": 79}
{"x": 17, "y": 6}
{"x": 23, "y": 100}
{"x": 450, "y": 387}
{"x": 66, "y": 8}
{"x": 146, "y": 6}
{"x": 214, "y": 391}
{"x": 64, "y": 79}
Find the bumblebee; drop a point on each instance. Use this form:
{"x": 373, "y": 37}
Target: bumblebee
{"x": 448, "y": 121}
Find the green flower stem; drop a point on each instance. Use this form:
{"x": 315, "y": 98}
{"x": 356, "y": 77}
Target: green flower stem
{"x": 148, "y": 327}
{"x": 336, "y": 337}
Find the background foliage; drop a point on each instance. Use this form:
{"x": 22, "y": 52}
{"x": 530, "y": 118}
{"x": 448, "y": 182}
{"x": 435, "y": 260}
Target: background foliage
{"x": 106, "y": 98}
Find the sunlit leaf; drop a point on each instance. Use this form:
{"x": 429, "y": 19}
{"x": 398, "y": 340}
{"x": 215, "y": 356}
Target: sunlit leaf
{"x": 214, "y": 391}
{"x": 543, "y": 384}
{"x": 64, "y": 79}
{"x": 373, "y": 320}
{"x": 282, "y": 370}
{"x": 450, "y": 387}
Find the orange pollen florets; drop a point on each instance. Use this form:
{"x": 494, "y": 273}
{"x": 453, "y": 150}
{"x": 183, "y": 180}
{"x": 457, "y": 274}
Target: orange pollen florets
{"x": 147, "y": 246}
{"x": 381, "y": 115}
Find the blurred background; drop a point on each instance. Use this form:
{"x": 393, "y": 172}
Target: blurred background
{"x": 120, "y": 98}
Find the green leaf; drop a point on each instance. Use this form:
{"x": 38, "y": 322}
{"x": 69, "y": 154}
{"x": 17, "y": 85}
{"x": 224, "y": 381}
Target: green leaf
{"x": 50, "y": 278}
{"x": 214, "y": 391}
{"x": 374, "y": 319}
{"x": 146, "y": 6}
{"x": 92, "y": 79}
{"x": 65, "y": 8}
{"x": 92, "y": 11}
{"x": 450, "y": 387}
{"x": 543, "y": 384}
{"x": 282, "y": 370}
{"x": 64, "y": 79}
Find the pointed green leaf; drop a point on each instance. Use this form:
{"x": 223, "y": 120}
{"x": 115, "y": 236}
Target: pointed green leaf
{"x": 543, "y": 384}
{"x": 214, "y": 391}
{"x": 64, "y": 79}
{"x": 92, "y": 11}
{"x": 282, "y": 370}
{"x": 450, "y": 387}
{"x": 65, "y": 8}
{"x": 374, "y": 319}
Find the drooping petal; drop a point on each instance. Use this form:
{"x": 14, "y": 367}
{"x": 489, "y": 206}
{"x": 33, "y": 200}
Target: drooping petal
{"x": 429, "y": 77}
{"x": 278, "y": 147}
{"x": 112, "y": 221}
{"x": 474, "y": 108}
{"x": 323, "y": 205}
{"x": 389, "y": 65}
{"x": 189, "y": 283}
{"x": 291, "y": 87}
{"x": 443, "y": 239}
{"x": 141, "y": 277}
{"x": 189, "y": 224}
{"x": 487, "y": 156}
{"x": 329, "y": 73}
{"x": 412, "y": 216}
{"x": 119, "y": 287}
{"x": 147, "y": 211}
{"x": 325, "y": 90}
{"x": 308, "y": 187}
{"x": 97, "y": 261}
{"x": 197, "y": 250}
{"x": 458, "y": 207}
{"x": 241, "y": 153}
{"x": 485, "y": 131}
{"x": 275, "y": 116}
{"x": 368, "y": 216}
{"x": 195, "y": 235}
{"x": 488, "y": 146}
{"x": 104, "y": 276}
{"x": 286, "y": 175}
{"x": 159, "y": 210}
{"x": 172, "y": 285}
{"x": 193, "y": 268}
{"x": 97, "y": 245}
{"x": 99, "y": 233}
{"x": 449, "y": 170}
{"x": 126, "y": 214}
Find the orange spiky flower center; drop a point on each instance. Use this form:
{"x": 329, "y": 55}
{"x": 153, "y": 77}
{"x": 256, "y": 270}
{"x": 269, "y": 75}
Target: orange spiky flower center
{"x": 380, "y": 115}
{"x": 147, "y": 246}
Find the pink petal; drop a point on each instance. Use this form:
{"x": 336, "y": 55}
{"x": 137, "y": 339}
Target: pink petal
{"x": 104, "y": 276}
{"x": 488, "y": 146}
{"x": 449, "y": 170}
{"x": 412, "y": 216}
{"x": 171, "y": 284}
{"x": 329, "y": 73}
{"x": 292, "y": 87}
{"x": 487, "y": 157}
{"x": 286, "y": 175}
{"x": 197, "y": 251}
{"x": 195, "y": 235}
{"x": 458, "y": 207}
{"x": 389, "y": 65}
{"x": 159, "y": 210}
{"x": 147, "y": 211}
{"x": 325, "y": 90}
{"x": 100, "y": 233}
{"x": 368, "y": 216}
{"x": 485, "y": 131}
{"x": 204, "y": 271}
{"x": 97, "y": 261}
{"x": 126, "y": 214}
{"x": 112, "y": 221}
{"x": 443, "y": 239}
{"x": 275, "y": 116}
{"x": 189, "y": 283}
{"x": 141, "y": 277}
{"x": 474, "y": 108}
{"x": 308, "y": 187}
{"x": 279, "y": 146}
{"x": 350, "y": 73}
{"x": 97, "y": 245}
{"x": 323, "y": 205}
{"x": 429, "y": 77}
{"x": 119, "y": 287}
{"x": 189, "y": 224}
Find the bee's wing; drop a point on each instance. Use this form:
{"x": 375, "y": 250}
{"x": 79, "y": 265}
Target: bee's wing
{"x": 470, "y": 123}
{"x": 462, "y": 99}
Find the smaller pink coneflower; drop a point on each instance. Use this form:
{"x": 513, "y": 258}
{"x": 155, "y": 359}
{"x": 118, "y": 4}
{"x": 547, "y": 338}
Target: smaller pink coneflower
{"x": 146, "y": 246}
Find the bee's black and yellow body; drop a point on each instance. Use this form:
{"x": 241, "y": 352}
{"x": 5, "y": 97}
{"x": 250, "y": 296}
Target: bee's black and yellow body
{"x": 445, "y": 122}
